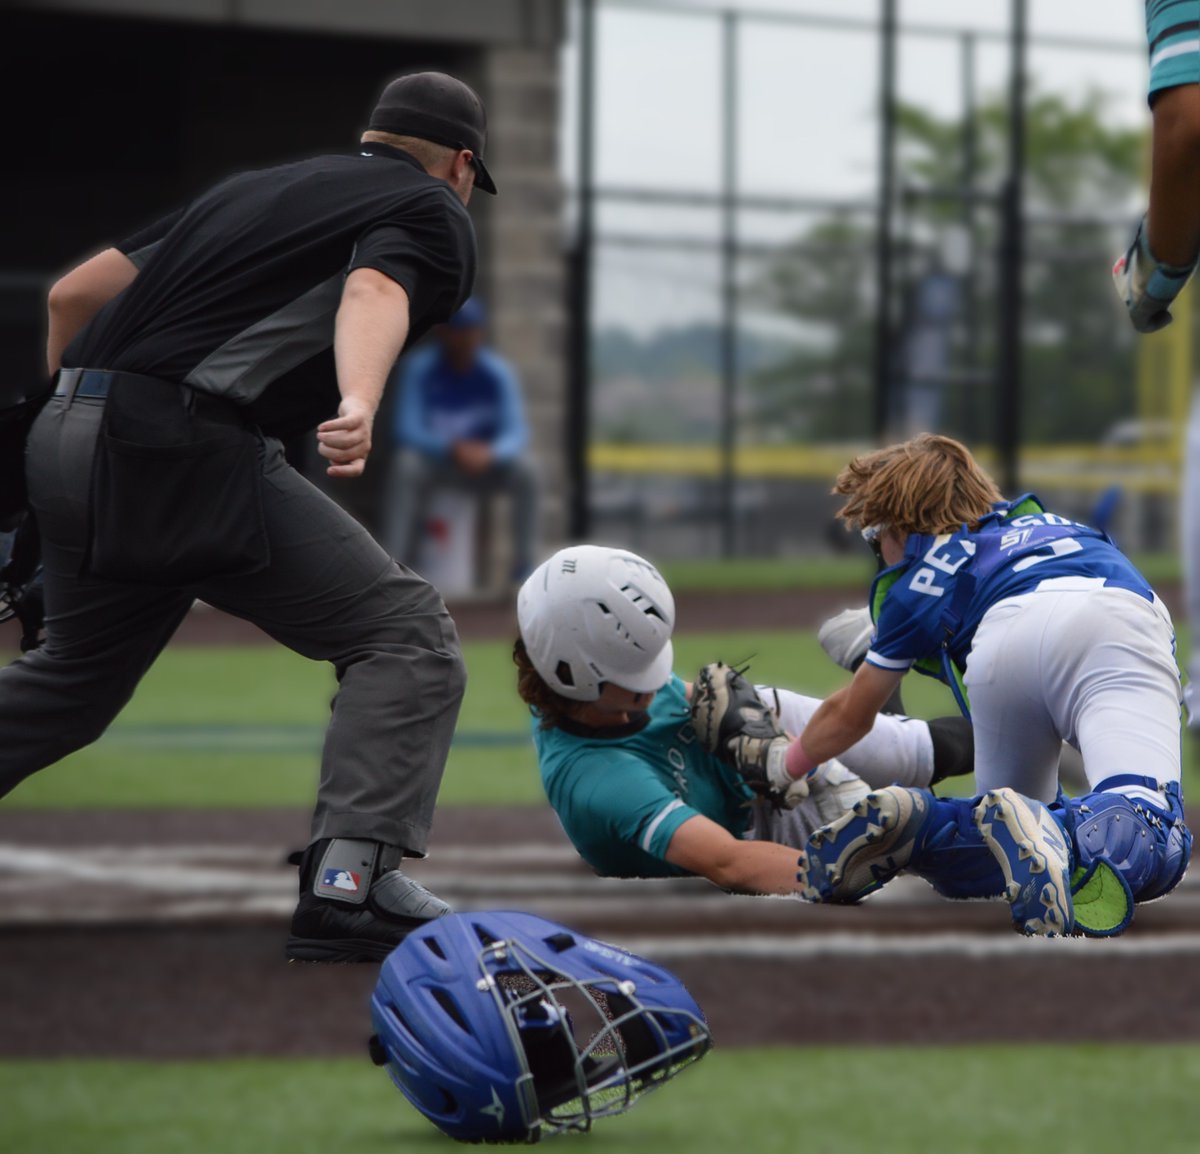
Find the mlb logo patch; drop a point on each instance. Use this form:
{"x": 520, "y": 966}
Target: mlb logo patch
{"x": 343, "y": 880}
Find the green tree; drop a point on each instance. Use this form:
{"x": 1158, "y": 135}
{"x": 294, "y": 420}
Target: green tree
{"x": 1081, "y": 190}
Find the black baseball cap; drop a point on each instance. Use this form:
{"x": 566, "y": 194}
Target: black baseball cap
{"x": 436, "y": 107}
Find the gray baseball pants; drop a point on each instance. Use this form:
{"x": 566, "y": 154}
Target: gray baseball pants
{"x": 330, "y": 592}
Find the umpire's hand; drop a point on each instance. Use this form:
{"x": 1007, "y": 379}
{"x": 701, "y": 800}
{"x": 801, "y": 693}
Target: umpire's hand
{"x": 345, "y": 441}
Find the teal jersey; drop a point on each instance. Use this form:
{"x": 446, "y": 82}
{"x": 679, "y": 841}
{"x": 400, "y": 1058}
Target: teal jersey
{"x": 1173, "y": 36}
{"x": 620, "y": 798}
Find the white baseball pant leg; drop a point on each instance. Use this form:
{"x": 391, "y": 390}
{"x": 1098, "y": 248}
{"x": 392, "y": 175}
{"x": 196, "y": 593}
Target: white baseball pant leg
{"x": 1081, "y": 662}
{"x": 897, "y": 751}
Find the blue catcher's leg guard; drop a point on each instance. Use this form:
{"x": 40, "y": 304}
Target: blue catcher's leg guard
{"x": 1148, "y": 846}
{"x": 1000, "y": 845}
{"x": 953, "y": 856}
{"x": 896, "y": 830}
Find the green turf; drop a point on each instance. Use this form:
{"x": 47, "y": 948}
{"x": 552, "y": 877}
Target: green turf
{"x": 975, "y": 1100}
{"x": 751, "y": 574}
{"x": 213, "y": 727}
{"x": 242, "y": 727}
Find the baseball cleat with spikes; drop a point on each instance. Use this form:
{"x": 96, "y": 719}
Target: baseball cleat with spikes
{"x": 852, "y": 857}
{"x": 846, "y": 637}
{"x": 1032, "y": 851}
{"x": 355, "y": 905}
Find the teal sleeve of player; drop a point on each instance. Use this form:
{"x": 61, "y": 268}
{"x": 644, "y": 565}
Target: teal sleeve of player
{"x": 1173, "y": 38}
{"x": 618, "y": 813}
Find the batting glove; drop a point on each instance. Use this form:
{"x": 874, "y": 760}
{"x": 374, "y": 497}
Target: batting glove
{"x": 1147, "y": 286}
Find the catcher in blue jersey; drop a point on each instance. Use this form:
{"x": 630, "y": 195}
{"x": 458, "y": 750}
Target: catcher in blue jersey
{"x": 642, "y": 790}
{"x": 1048, "y": 634}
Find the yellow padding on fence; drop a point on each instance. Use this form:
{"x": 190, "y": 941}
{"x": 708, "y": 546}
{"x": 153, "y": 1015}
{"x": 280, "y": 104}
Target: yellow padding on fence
{"x": 1150, "y": 467}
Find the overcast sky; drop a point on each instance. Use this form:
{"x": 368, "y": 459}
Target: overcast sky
{"x": 808, "y": 101}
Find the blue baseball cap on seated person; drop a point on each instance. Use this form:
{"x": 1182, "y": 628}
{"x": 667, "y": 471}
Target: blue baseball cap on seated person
{"x": 470, "y": 316}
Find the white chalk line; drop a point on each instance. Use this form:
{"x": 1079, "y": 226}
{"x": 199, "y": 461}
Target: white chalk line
{"x": 25, "y": 873}
{"x": 174, "y": 870}
{"x": 536, "y": 853}
{"x": 932, "y": 945}
{"x": 178, "y": 892}
{"x": 767, "y": 947}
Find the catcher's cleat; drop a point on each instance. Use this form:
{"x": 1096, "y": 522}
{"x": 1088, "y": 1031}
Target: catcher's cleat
{"x": 852, "y": 857}
{"x": 354, "y": 909}
{"x": 846, "y": 637}
{"x": 1032, "y": 851}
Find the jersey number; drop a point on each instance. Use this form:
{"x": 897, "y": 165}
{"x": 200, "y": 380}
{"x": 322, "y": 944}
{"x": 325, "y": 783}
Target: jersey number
{"x": 1060, "y": 548}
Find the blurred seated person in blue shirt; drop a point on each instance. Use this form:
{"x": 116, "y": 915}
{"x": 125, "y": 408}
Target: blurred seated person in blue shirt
{"x": 459, "y": 424}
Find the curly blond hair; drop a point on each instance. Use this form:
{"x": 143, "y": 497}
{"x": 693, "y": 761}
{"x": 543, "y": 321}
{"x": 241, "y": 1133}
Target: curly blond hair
{"x": 930, "y": 484}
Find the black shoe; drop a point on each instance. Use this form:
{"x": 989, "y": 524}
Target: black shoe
{"x": 363, "y": 927}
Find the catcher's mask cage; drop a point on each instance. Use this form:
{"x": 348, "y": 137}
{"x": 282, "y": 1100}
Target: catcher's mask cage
{"x": 504, "y": 1027}
{"x": 592, "y": 614}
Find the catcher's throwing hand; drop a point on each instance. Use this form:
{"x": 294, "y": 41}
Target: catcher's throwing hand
{"x": 733, "y": 723}
{"x": 345, "y": 441}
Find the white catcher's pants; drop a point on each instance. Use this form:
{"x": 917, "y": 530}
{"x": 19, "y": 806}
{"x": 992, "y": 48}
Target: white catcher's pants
{"x": 1080, "y": 662}
{"x": 897, "y": 751}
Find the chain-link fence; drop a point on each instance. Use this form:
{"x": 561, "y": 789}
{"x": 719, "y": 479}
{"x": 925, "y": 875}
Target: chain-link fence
{"x": 758, "y": 310}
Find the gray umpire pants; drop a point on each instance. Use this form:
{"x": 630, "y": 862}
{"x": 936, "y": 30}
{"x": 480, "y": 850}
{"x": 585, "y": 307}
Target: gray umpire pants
{"x": 330, "y": 592}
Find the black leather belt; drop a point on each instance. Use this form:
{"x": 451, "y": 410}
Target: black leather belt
{"x": 96, "y": 383}
{"x": 83, "y": 383}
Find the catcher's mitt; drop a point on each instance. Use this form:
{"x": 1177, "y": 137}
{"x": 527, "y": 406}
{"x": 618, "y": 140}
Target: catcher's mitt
{"x": 733, "y": 723}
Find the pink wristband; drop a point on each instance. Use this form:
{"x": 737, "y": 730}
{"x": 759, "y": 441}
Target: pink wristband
{"x": 798, "y": 763}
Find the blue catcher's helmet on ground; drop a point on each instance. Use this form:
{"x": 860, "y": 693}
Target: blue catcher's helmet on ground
{"x": 503, "y": 1027}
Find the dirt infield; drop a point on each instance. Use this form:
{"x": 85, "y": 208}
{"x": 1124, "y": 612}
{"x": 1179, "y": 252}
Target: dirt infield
{"x": 145, "y": 934}
{"x": 495, "y": 618}
{"x": 160, "y": 934}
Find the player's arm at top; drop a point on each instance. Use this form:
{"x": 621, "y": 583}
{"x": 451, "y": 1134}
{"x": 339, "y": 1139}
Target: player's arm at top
{"x": 1173, "y": 222}
{"x": 1166, "y": 246}
{"x": 704, "y": 848}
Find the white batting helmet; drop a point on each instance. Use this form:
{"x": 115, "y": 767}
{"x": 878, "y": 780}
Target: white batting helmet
{"x": 592, "y": 614}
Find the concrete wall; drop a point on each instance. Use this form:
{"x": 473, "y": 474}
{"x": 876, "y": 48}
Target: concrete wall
{"x": 486, "y": 23}
{"x": 525, "y": 271}
{"x": 192, "y": 89}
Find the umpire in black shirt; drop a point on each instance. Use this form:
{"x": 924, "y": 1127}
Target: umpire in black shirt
{"x": 276, "y": 302}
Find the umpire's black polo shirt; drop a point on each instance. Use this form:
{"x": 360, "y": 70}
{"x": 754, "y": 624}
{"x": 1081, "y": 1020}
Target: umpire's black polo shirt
{"x": 236, "y": 293}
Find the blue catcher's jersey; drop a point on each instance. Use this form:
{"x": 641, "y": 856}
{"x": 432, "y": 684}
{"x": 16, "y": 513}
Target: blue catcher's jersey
{"x": 620, "y": 797}
{"x": 940, "y": 591}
